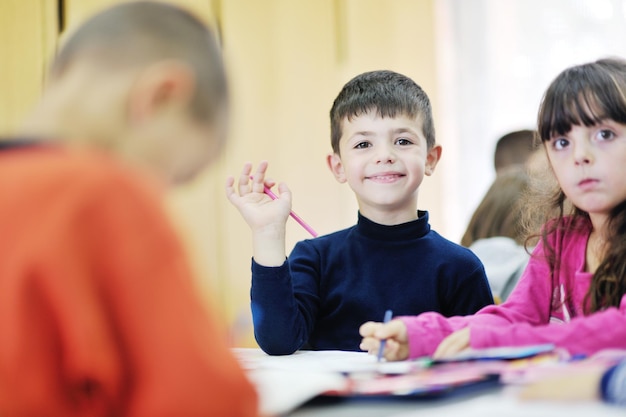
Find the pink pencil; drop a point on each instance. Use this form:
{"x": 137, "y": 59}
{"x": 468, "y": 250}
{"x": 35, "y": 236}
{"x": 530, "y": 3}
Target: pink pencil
{"x": 292, "y": 214}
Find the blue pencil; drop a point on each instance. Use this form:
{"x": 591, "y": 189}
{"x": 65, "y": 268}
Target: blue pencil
{"x": 387, "y": 318}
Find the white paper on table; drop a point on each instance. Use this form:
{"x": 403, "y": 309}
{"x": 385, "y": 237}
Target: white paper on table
{"x": 286, "y": 382}
{"x": 321, "y": 361}
{"x": 283, "y": 391}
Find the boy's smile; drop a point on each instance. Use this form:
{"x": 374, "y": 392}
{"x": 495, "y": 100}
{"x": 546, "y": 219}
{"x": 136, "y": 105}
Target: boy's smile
{"x": 384, "y": 161}
{"x": 385, "y": 177}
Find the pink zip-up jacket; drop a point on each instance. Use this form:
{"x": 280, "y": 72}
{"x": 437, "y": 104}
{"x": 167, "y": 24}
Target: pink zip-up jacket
{"x": 538, "y": 311}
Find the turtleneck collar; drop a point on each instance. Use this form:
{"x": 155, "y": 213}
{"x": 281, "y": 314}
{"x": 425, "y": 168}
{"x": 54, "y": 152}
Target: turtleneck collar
{"x": 414, "y": 229}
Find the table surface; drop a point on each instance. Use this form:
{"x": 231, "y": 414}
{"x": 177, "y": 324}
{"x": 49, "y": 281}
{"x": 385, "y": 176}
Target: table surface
{"x": 286, "y": 385}
{"x": 490, "y": 403}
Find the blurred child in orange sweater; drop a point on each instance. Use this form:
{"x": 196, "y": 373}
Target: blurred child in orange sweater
{"x": 98, "y": 312}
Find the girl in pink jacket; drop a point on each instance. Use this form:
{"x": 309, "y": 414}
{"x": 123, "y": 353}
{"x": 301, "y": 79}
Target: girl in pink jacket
{"x": 572, "y": 293}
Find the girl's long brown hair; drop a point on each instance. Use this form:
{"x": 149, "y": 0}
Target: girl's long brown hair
{"x": 500, "y": 210}
{"x": 585, "y": 95}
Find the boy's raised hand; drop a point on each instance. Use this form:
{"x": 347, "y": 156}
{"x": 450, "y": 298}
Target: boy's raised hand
{"x": 396, "y": 347}
{"x": 257, "y": 208}
{"x": 266, "y": 217}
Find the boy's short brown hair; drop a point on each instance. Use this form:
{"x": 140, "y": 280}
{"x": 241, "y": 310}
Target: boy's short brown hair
{"x": 139, "y": 33}
{"x": 386, "y": 92}
{"x": 514, "y": 148}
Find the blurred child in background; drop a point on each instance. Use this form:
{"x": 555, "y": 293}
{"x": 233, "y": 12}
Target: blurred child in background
{"x": 496, "y": 233}
{"x": 514, "y": 150}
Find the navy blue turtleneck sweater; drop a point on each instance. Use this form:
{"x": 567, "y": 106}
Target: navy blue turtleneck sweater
{"x": 331, "y": 285}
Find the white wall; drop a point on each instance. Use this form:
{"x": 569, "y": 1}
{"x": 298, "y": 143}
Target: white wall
{"x": 495, "y": 59}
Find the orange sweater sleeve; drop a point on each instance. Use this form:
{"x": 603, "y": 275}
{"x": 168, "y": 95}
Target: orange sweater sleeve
{"x": 100, "y": 317}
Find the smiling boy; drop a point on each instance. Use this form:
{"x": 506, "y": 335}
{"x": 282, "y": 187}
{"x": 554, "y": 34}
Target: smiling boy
{"x": 383, "y": 143}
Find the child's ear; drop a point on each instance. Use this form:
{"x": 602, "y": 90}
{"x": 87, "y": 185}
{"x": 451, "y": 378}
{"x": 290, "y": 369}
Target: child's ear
{"x": 168, "y": 83}
{"x": 336, "y": 167}
{"x": 432, "y": 158}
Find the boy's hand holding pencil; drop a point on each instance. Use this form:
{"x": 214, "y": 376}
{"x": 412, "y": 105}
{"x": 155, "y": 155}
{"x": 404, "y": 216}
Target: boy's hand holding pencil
{"x": 265, "y": 212}
{"x": 259, "y": 210}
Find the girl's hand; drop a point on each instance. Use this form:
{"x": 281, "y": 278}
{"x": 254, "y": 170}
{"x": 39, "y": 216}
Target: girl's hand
{"x": 396, "y": 346}
{"x": 260, "y": 211}
{"x": 453, "y": 344}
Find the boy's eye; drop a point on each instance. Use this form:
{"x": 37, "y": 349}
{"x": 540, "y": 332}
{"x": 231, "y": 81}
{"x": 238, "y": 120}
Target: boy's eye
{"x": 560, "y": 143}
{"x": 362, "y": 145}
{"x": 605, "y": 134}
{"x": 403, "y": 141}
